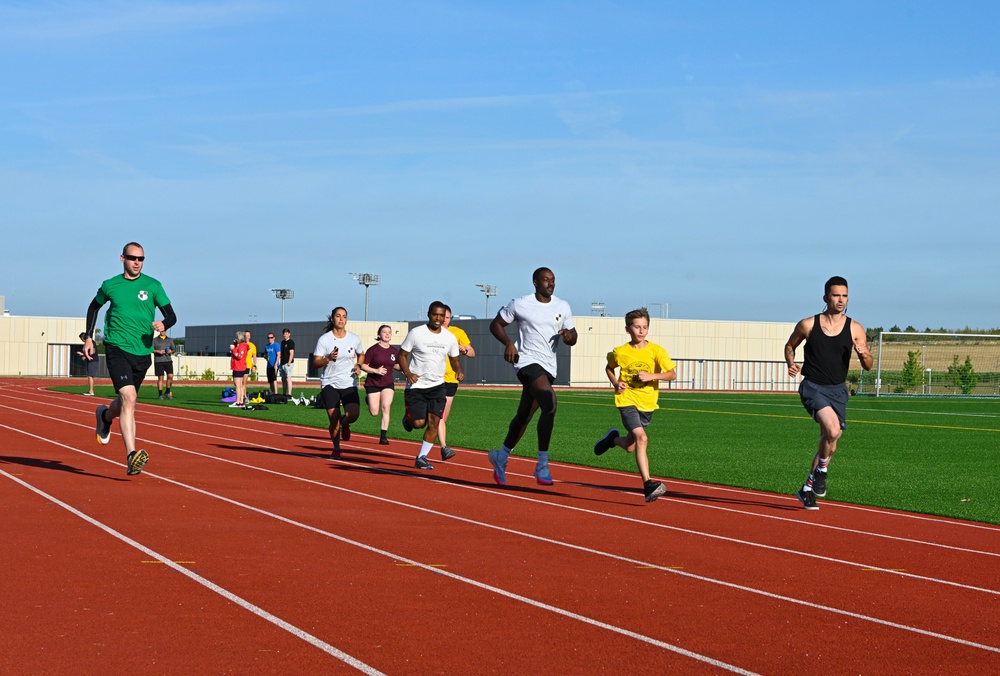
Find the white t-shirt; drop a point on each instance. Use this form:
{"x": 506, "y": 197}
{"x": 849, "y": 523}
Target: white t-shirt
{"x": 427, "y": 353}
{"x": 339, "y": 374}
{"x": 538, "y": 327}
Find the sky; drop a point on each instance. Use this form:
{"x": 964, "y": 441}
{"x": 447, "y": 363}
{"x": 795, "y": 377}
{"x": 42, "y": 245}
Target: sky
{"x": 713, "y": 160}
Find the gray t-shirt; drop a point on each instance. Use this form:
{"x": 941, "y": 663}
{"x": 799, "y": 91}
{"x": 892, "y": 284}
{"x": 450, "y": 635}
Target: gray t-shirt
{"x": 165, "y": 343}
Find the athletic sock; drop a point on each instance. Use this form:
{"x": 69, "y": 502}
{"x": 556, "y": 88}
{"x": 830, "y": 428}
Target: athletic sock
{"x": 160, "y": 392}
{"x": 823, "y": 464}
{"x": 425, "y": 448}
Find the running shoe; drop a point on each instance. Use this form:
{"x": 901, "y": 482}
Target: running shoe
{"x": 383, "y": 440}
{"x": 407, "y": 422}
{"x": 160, "y": 397}
{"x": 607, "y": 442}
{"x": 136, "y": 461}
{"x": 169, "y": 395}
{"x": 819, "y": 484}
{"x": 447, "y": 453}
{"x": 88, "y": 394}
{"x": 345, "y": 430}
{"x": 542, "y": 475}
{"x": 103, "y": 428}
{"x": 235, "y": 405}
{"x": 653, "y": 490}
{"x": 423, "y": 463}
{"x": 499, "y": 468}
{"x": 807, "y": 498}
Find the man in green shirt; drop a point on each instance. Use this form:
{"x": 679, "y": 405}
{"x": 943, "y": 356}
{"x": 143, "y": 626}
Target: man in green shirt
{"x": 129, "y": 326}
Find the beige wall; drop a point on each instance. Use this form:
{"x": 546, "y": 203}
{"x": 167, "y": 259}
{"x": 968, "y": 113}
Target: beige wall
{"x": 38, "y": 346}
{"x": 683, "y": 339}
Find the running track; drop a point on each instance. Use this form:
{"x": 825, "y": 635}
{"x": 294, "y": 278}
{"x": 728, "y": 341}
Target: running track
{"x": 243, "y": 548}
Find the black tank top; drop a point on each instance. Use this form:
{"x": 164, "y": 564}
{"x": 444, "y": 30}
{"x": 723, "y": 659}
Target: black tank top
{"x": 827, "y": 358}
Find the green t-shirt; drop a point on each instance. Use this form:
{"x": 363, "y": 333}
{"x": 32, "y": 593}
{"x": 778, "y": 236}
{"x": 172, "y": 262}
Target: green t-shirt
{"x": 128, "y": 323}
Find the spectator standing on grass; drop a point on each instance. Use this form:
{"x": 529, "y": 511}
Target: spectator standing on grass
{"x": 542, "y": 320}
{"x": 450, "y": 381}
{"x": 251, "y": 357}
{"x": 273, "y": 352}
{"x": 238, "y": 362}
{"x": 640, "y": 365}
{"x": 339, "y": 354}
{"x": 90, "y": 363}
{"x": 287, "y": 359}
{"x": 422, "y": 358}
{"x": 129, "y": 326}
{"x": 829, "y": 339}
{"x": 383, "y": 361}
{"x": 163, "y": 364}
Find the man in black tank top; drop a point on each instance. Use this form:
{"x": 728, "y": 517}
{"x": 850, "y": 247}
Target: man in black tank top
{"x": 830, "y": 337}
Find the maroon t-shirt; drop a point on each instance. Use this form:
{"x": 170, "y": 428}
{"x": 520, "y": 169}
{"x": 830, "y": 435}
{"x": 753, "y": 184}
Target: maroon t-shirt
{"x": 381, "y": 356}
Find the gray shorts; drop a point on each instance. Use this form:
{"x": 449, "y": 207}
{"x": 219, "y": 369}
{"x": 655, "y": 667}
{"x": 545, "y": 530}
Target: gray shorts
{"x": 817, "y": 397}
{"x": 633, "y": 418}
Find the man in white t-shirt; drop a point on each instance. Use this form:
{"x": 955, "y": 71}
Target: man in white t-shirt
{"x": 422, "y": 358}
{"x": 339, "y": 354}
{"x": 542, "y": 320}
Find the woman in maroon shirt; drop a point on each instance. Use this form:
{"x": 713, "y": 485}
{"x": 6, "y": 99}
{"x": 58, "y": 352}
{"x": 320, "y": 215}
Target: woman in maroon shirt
{"x": 379, "y": 391}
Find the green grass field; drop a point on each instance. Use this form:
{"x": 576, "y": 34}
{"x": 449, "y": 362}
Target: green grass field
{"x": 931, "y": 455}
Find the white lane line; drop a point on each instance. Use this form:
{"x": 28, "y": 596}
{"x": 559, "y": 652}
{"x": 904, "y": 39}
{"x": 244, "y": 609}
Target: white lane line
{"x": 354, "y": 543}
{"x": 588, "y": 550}
{"x": 221, "y": 591}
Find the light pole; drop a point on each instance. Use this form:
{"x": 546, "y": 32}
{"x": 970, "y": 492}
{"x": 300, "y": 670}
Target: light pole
{"x": 489, "y": 290}
{"x": 366, "y": 279}
{"x": 283, "y": 294}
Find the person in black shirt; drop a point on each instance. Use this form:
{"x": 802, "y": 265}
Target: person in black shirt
{"x": 286, "y": 360}
{"x": 829, "y": 339}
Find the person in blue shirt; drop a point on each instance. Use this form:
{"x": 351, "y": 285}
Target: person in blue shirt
{"x": 273, "y": 351}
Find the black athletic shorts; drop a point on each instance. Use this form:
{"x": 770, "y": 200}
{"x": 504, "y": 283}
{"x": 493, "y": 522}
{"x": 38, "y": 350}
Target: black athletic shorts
{"x": 816, "y": 397}
{"x": 450, "y": 389}
{"x": 272, "y": 375}
{"x": 126, "y": 369}
{"x": 422, "y": 402}
{"x": 331, "y": 398}
{"x": 531, "y": 373}
{"x": 161, "y": 368}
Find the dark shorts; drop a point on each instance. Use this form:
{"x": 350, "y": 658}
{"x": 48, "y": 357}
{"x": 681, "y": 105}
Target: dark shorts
{"x": 92, "y": 367}
{"x": 633, "y": 418}
{"x": 330, "y": 397}
{"x": 126, "y": 369}
{"x": 239, "y": 374}
{"x": 533, "y": 372}
{"x": 161, "y": 368}
{"x": 372, "y": 389}
{"x": 420, "y": 403}
{"x": 272, "y": 375}
{"x": 817, "y": 397}
{"x": 450, "y": 389}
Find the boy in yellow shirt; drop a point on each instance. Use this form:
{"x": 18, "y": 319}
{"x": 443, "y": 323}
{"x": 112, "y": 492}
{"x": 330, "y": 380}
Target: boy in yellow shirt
{"x": 641, "y": 365}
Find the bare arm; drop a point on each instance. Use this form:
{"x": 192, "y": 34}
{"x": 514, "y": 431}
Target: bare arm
{"x": 404, "y": 366}
{"x": 456, "y": 366}
{"x": 799, "y": 334}
{"x": 860, "y": 339}
{"x": 467, "y": 350}
{"x": 616, "y": 384}
{"x": 569, "y": 336}
{"x": 497, "y": 329}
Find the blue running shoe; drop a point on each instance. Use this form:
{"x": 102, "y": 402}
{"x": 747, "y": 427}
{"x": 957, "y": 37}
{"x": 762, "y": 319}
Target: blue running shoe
{"x": 423, "y": 463}
{"x": 607, "y": 442}
{"x": 499, "y": 468}
{"x": 542, "y": 475}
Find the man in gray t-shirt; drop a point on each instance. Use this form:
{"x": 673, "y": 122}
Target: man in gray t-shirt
{"x": 163, "y": 363}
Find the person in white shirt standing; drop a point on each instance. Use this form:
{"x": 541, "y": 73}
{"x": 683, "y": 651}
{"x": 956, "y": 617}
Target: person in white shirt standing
{"x": 542, "y": 320}
{"x": 422, "y": 358}
{"x": 339, "y": 353}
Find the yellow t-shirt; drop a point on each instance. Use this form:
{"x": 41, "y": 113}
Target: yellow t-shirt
{"x": 631, "y": 361}
{"x": 251, "y": 356}
{"x": 463, "y": 340}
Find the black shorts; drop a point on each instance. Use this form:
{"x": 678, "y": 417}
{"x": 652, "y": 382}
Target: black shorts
{"x": 161, "y": 368}
{"x": 330, "y": 397}
{"x": 422, "y": 402}
{"x": 633, "y": 418}
{"x": 450, "y": 389}
{"x": 816, "y": 397}
{"x": 126, "y": 369}
{"x": 372, "y": 389}
{"x": 533, "y": 372}
{"x": 272, "y": 375}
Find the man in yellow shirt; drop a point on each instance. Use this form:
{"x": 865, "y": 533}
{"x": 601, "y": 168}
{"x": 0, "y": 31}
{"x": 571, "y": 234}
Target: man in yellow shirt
{"x": 451, "y": 381}
{"x": 641, "y": 365}
{"x": 251, "y": 357}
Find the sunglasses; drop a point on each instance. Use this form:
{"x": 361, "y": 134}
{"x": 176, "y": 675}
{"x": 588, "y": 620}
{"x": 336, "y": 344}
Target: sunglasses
{"x": 129, "y": 257}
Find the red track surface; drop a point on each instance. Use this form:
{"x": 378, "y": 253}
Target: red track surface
{"x": 243, "y": 548}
